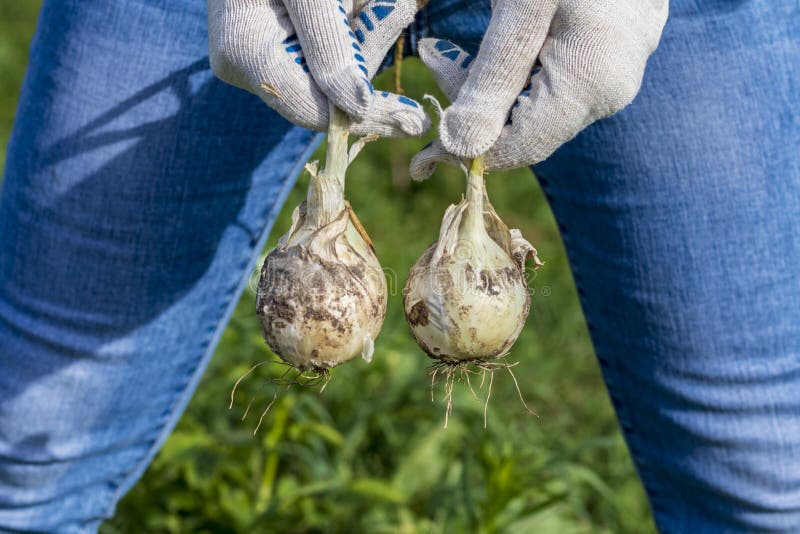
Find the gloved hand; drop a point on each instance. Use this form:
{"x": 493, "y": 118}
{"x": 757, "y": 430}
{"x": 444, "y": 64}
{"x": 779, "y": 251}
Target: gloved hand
{"x": 297, "y": 54}
{"x": 517, "y": 110}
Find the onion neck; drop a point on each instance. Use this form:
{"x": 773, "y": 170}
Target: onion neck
{"x": 473, "y": 216}
{"x": 338, "y": 133}
{"x": 325, "y": 200}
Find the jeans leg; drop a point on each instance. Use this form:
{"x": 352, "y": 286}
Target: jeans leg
{"x": 681, "y": 217}
{"x": 137, "y": 195}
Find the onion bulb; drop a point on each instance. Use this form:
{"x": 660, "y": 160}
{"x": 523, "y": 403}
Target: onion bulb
{"x": 466, "y": 299}
{"x": 322, "y": 293}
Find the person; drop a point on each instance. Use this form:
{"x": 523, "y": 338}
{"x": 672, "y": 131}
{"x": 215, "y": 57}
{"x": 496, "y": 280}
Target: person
{"x": 680, "y": 214}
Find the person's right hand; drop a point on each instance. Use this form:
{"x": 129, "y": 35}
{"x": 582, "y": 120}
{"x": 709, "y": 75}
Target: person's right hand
{"x": 298, "y": 54}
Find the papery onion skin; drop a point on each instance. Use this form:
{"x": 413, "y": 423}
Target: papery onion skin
{"x": 323, "y": 302}
{"x": 466, "y": 299}
{"x": 462, "y": 311}
{"x": 322, "y": 293}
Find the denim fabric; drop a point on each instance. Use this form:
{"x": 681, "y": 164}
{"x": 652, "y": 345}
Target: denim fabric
{"x": 681, "y": 217}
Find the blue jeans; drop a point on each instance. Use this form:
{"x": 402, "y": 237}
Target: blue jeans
{"x": 681, "y": 217}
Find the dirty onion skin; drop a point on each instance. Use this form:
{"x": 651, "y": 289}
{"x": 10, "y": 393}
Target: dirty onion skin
{"x": 322, "y": 293}
{"x": 466, "y": 299}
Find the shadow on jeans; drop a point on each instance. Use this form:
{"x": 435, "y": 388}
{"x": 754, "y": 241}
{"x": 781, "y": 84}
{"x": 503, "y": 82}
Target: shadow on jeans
{"x": 87, "y": 258}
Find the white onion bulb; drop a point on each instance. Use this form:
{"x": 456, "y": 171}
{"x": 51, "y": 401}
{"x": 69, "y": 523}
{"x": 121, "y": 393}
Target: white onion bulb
{"x": 322, "y": 293}
{"x": 466, "y": 298}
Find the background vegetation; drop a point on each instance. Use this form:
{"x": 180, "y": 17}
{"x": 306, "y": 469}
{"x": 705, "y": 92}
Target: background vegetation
{"x": 370, "y": 454}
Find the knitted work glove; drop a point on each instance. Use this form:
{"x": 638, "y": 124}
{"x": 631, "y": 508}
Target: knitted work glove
{"x": 517, "y": 110}
{"x": 297, "y": 54}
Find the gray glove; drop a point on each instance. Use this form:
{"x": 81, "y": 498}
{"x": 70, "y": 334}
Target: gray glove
{"x": 296, "y": 54}
{"x": 517, "y": 110}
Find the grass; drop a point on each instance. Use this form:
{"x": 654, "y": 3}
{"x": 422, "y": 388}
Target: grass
{"x": 371, "y": 453}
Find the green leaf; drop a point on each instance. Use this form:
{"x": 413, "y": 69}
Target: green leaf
{"x": 380, "y": 490}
